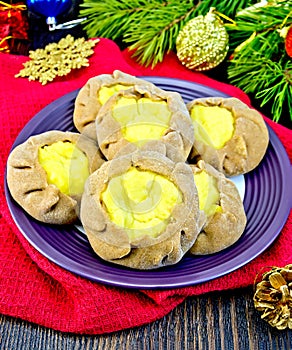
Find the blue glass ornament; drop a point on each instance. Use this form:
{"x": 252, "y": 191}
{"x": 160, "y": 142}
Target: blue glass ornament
{"x": 50, "y": 9}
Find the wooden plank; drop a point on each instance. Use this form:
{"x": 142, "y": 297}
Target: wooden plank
{"x": 219, "y": 321}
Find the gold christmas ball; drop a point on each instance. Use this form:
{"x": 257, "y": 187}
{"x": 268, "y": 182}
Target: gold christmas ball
{"x": 202, "y": 43}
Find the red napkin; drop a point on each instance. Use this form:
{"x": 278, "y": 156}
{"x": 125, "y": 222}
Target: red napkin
{"x": 35, "y": 289}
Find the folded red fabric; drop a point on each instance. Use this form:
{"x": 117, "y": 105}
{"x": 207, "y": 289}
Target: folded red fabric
{"x": 34, "y": 288}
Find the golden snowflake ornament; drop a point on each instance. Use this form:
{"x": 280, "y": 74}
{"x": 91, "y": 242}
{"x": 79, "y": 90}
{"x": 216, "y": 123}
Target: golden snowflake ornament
{"x": 57, "y": 59}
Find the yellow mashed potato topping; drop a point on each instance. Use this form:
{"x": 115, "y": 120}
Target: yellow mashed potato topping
{"x": 213, "y": 125}
{"x": 208, "y": 193}
{"x": 143, "y": 119}
{"x": 105, "y": 92}
{"x": 141, "y": 202}
{"x": 66, "y": 166}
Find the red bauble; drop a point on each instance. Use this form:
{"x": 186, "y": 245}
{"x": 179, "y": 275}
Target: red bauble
{"x": 288, "y": 42}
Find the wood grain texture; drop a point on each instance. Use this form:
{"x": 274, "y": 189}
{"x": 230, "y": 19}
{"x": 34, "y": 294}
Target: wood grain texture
{"x": 219, "y": 321}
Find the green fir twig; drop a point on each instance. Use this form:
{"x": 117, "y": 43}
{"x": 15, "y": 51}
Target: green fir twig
{"x": 260, "y": 65}
{"x": 149, "y": 28}
{"x": 150, "y": 46}
{"x": 112, "y": 18}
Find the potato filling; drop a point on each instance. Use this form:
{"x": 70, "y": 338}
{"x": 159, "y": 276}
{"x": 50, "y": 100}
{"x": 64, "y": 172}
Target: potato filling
{"x": 208, "y": 193}
{"x": 141, "y": 202}
{"x": 143, "y": 119}
{"x": 213, "y": 125}
{"x": 105, "y": 92}
{"x": 66, "y": 166}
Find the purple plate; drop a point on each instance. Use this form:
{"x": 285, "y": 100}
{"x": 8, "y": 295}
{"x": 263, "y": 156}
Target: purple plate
{"x": 267, "y": 203}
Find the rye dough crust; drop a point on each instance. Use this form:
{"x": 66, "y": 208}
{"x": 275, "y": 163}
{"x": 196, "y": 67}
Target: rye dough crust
{"x": 179, "y": 133}
{"x": 27, "y": 179}
{"x": 87, "y": 104}
{"x": 222, "y": 229}
{"x": 112, "y": 243}
{"x": 248, "y": 145}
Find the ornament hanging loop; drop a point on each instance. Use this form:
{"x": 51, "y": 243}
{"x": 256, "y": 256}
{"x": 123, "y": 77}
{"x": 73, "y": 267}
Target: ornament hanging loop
{"x": 51, "y": 22}
{"x": 221, "y": 15}
{"x": 50, "y": 9}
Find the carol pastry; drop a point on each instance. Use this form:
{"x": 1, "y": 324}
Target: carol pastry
{"x": 139, "y": 116}
{"x": 93, "y": 95}
{"x": 141, "y": 210}
{"x": 229, "y": 135}
{"x": 220, "y": 201}
{"x": 46, "y": 174}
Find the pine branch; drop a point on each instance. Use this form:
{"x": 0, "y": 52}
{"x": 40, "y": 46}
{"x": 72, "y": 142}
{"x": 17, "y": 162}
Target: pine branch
{"x": 228, "y": 7}
{"x": 279, "y": 91}
{"x": 150, "y": 41}
{"x": 261, "y": 19}
{"x": 260, "y": 65}
{"x": 113, "y": 18}
{"x": 155, "y": 36}
{"x": 263, "y": 69}
{"x": 150, "y": 28}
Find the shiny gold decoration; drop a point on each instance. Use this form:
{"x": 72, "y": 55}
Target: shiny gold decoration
{"x": 57, "y": 59}
{"x": 6, "y": 6}
{"x": 273, "y": 297}
{"x": 203, "y": 42}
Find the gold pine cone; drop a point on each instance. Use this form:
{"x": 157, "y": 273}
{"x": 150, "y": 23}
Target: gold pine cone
{"x": 273, "y": 297}
{"x": 203, "y": 42}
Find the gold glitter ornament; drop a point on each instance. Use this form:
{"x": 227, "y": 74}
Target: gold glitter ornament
{"x": 57, "y": 59}
{"x": 273, "y": 297}
{"x": 203, "y": 42}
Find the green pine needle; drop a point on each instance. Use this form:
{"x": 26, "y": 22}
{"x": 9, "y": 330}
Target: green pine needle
{"x": 156, "y": 40}
{"x": 256, "y": 72}
{"x": 113, "y": 18}
{"x": 260, "y": 65}
{"x": 149, "y": 28}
